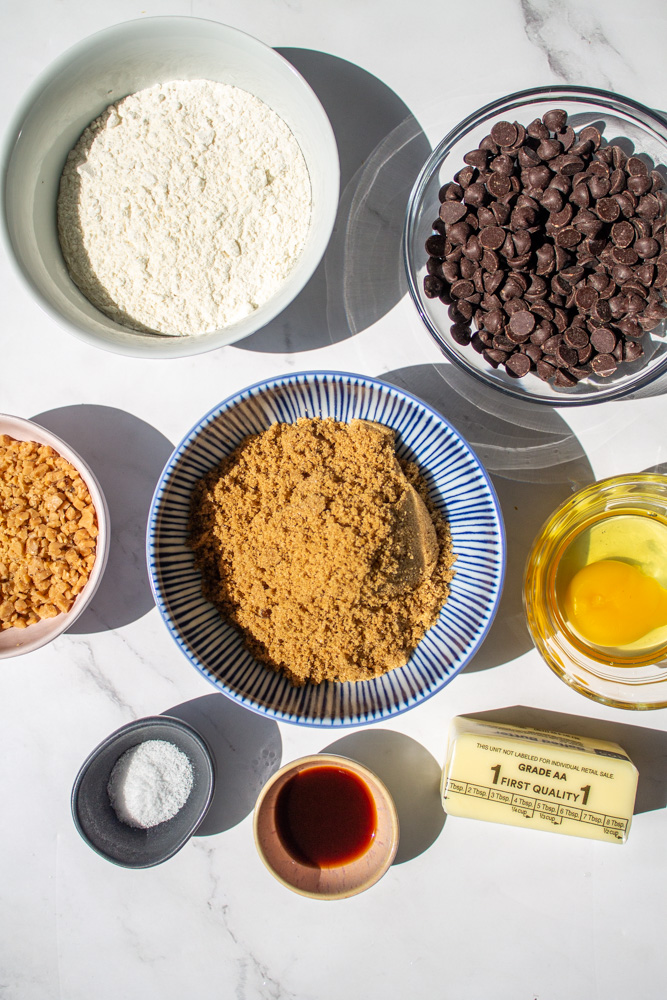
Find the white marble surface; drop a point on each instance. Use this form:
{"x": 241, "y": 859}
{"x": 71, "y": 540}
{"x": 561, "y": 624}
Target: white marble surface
{"x": 470, "y": 910}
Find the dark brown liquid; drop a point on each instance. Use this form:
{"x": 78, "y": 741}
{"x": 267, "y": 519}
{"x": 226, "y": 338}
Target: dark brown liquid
{"x": 326, "y": 816}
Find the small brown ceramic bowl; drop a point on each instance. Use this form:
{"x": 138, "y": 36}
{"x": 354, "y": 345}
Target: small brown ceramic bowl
{"x": 332, "y": 878}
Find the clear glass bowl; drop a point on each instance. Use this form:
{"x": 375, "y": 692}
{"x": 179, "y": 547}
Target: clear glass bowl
{"x": 620, "y": 119}
{"x": 623, "y": 518}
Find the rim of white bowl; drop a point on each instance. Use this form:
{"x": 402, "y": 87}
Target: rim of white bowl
{"x": 169, "y": 347}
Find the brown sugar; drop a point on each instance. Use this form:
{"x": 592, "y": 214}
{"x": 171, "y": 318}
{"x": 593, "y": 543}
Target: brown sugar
{"x": 323, "y": 549}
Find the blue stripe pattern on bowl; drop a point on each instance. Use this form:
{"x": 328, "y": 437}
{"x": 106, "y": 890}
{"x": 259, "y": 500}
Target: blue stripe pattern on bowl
{"x": 458, "y": 485}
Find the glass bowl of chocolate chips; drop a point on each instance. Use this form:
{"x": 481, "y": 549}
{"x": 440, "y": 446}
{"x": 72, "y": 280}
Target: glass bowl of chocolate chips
{"x": 536, "y": 249}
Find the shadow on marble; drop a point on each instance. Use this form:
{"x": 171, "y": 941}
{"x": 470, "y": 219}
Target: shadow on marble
{"x": 246, "y": 748}
{"x": 412, "y": 776}
{"x": 382, "y": 149}
{"x": 127, "y": 455}
{"x": 646, "y": 748}
{"x": 535, "y": 463}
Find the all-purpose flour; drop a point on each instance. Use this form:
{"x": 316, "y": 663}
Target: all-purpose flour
{"x": 183, "y": 207}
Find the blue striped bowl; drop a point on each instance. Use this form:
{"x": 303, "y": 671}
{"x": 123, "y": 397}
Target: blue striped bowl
{"x": 459, "y": 487}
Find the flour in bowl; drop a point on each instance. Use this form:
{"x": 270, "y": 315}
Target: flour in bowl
{"x": 183, "y": 207}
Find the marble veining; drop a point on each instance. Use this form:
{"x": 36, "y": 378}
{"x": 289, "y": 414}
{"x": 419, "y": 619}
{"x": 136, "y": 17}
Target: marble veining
{"x": 573, "y": 41}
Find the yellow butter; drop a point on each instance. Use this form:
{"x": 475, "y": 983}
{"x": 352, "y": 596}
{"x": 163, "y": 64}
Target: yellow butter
{"x": 538, "y": 779}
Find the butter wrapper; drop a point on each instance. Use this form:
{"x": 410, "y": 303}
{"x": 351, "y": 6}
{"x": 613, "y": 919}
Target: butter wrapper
{"x": 538, "y": 779}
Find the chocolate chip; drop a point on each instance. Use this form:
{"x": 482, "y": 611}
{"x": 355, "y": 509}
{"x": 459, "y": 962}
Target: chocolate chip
{"x": 590, "y": 134}
{"x": 522, "y": 324}
{"x": 501, "y": 212}
{"x": 555, "y": 120}
{"x": 560, "y": 219}
{"x": 545, "y": 371}
{"x": 475, "y": 194}
{"x": 498, "y": 185}
{"x": 518, "y": 365}
{"x": 585, "y": 297}
{"x": 532, "y": 351}
{"x": 587, "y": 223}
{"x": 548, "y": 149}
{"x": 569, "y": 164}
{"x": 566, "y": 356}
{"x": 604, "y": 364}
{"x": 647, "y": 247}
{"x": 553, "y": 200}
{"x": 601, "y": 311}
{"x": 435, "y": 246}
{"x": 460, "y": 334}
{"x": 504, "y": 343}
{"x": 493, "y": 280}
{"x": 433, "y": 286}
{"x": 564, "y": 380}
{"x": 476, "y": 158}
{"x": 622, "y": 233}
{"x": 494, "y": 356}
{"x": 603, "y": 340}
{"x": 504, "y": 133}
{"x": 608, "y": 209}
{"x": 537, "y": 129}
{"x": 646, "y": 273}
{"x": 635, "y": 166}
{"x": 599, "y": 187}
{"x": 649, "y": 207}
{"x": 567, "y": 237}
{"x": 465, "y": 176}
{"x": 617, "y": 181}
{"x": 618, "y": 156}
{"x": 462, "y": 289}
{"x": 452, "y": 211}
{"x": 624, "y": 255}
{"x": 639, "y": 184}
{"x": 492, "y": 237}
{"x": 576, "y": 337}
{"x": 632, "y": 350}
{"x": 458, "y": 233}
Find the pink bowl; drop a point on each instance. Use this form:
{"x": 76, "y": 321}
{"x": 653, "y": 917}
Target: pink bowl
{"x": 15, "y": 641}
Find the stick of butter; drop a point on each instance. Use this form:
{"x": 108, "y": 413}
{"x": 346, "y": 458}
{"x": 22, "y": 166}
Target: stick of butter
{"x": 538, "y": 779}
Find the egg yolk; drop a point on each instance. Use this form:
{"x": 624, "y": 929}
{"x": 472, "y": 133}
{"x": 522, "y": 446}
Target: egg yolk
{"x": 612, "y": 603}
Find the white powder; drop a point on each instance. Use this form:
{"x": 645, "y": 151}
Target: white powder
{"x": 183, "y": 207}
{"x": 150, "y": 783}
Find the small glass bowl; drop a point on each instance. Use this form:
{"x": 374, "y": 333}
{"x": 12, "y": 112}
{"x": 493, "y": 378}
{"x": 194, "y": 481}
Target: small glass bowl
{"x": 621, "y": 120}
{"x": 631, "y": 678}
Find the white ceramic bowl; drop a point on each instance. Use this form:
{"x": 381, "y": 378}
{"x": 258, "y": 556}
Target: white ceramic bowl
{"x": 15, "y": 641}
{"x": 458, "y": 485}
{"x": 95, "y": 73}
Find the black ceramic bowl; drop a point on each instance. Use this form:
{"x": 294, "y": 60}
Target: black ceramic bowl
{"x": 94, "y": 815}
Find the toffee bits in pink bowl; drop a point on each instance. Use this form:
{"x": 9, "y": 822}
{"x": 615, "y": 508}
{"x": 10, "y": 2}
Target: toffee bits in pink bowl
{"x": 547, "y": 258}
